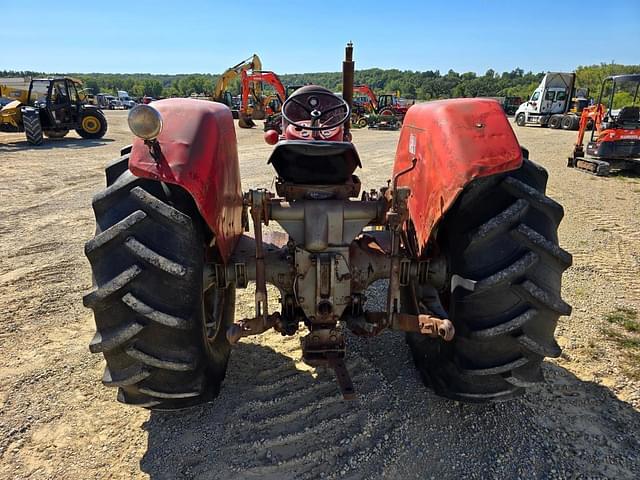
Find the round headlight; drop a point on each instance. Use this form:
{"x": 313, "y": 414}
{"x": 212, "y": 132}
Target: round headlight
{"x": 145, "y": 122}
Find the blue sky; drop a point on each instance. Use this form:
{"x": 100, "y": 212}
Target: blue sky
{"x": 295, "y": 37}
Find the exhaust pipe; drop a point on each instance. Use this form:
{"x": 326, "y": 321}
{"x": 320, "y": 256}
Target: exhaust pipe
{"x": 348, "y": 67}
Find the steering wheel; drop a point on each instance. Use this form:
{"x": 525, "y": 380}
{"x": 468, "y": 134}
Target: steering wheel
{"x": 310, "y": 102}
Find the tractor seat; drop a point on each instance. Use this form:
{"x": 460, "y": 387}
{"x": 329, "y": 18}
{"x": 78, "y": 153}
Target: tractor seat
{"x": 629, "y": 117}
{"x": 315, "y": 162}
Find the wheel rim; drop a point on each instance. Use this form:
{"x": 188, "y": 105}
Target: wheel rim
{"x": 91, "y": 124}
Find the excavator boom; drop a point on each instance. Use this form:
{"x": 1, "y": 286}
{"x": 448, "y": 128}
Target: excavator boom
{"x": 256, "y": 78}
{"x": 366, "y": 89}
{"x": 252, "y": 63}
{"x": 250, "y": 83}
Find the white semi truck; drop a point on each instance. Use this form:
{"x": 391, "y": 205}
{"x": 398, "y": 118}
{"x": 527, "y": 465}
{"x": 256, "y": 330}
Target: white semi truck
{"x": 555, "y": 103}
{"x": 125, "y": 99}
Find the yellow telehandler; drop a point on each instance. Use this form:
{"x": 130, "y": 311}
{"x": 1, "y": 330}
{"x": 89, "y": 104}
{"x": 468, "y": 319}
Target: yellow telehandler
{"x": 48, "y": 107}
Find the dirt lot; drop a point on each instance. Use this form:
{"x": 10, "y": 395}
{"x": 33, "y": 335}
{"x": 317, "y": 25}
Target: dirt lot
{"x": 277, "y": 418}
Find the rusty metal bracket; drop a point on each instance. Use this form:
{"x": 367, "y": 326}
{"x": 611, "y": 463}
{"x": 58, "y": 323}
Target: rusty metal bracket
{"x": 425, "y": 325}
{"x": 395, "y": 218}
{"x": 325, "y": 347}
{"x": 344, "y": 379}
{"x": 252, "y": 326}
{"x": 258, "y": 200}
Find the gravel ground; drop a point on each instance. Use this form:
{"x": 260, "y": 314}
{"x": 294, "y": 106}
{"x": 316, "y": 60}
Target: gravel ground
{"x": 276, "y": 417}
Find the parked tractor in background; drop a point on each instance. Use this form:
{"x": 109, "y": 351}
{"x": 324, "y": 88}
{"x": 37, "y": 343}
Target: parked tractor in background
{"x": 615, "y": 140}
{"x": 49, "y": 107}
{"x": 385, "y": 104}
{"x": 555, "y": 103}
{"x": 463, "y": 232}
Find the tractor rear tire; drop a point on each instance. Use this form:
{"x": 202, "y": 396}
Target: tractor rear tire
{"x": 55, "y": 133}
{"x": 162, "y": 335}
{"x": 93, "y": 124}
{"x": 502, "y": 235}
{"x": 32, "y": 126}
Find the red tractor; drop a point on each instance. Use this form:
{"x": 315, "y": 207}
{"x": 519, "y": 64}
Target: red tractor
{"x": 463, "y": 232}
{"x": 384, "y": 105}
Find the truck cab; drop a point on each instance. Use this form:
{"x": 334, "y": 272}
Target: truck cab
{"x": 125, "y": 99}
{"x": 552, "y": 96}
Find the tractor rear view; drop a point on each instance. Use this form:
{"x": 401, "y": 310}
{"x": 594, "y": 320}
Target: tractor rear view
{"x": 464, "y": 234}
{"x": 49, "y": 107}
{"x": 615, "y": 136}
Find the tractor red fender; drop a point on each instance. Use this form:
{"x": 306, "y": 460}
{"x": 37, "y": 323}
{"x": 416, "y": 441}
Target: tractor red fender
{"x": 453, "y": 141}
{"x": 199, "y": 153}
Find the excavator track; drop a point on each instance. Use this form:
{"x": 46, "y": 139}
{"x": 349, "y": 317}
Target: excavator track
{"x": 599, "y": 168}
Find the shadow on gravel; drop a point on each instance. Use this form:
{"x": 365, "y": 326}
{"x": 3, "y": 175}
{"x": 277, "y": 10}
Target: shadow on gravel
{"x": 219, "y": 439}
{"x": 623, "y": 174}
{"x": 52, "y": 143}
{"x": 272, "y": 420}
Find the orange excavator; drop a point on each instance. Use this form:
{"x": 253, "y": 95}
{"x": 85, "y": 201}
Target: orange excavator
{"x": 263, "y": 105}
{"x": 615, "y": 138}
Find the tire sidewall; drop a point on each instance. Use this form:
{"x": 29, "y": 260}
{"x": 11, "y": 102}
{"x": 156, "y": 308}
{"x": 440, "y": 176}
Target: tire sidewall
{"x": 99, "y": 116}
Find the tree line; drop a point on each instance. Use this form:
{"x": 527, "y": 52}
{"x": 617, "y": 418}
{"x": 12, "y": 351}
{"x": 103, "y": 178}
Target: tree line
{"x": 428, "y": 85}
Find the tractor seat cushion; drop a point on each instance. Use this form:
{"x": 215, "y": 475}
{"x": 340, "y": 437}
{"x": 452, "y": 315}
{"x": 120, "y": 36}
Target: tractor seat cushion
{"x": 315, "y": 162}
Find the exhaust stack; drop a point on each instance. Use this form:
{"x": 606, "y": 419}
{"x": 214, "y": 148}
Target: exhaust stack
{"x": 348, "y": 67}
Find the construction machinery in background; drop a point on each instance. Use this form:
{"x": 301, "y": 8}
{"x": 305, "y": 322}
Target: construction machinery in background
{"x": 261, "y": 106}
{"x": 49, "y": 107}
{"x": 463, "y": 231}
{"x": 273, "y": 121}
{"x": 555, "y": 103}
{"x": 615, "y": 138}
{"x": 381, "y": 122}
{"x": 510, "y": 104}
{"x": 126, "y": 101}
{"x": 385, "y": 104}
{"x": 221, "y": 93}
